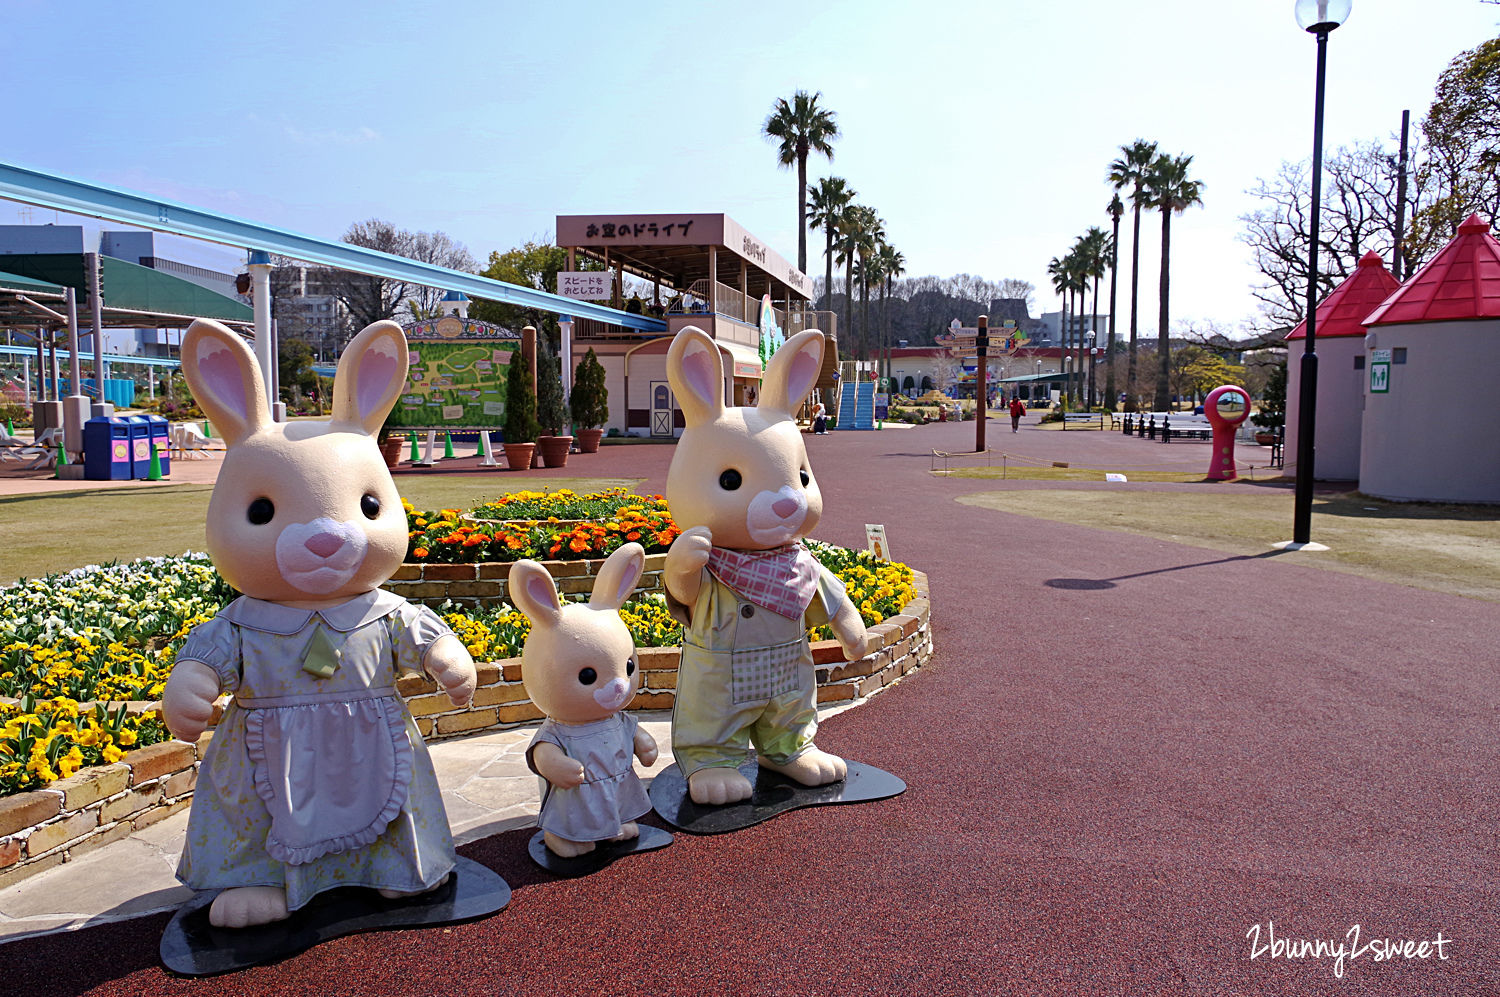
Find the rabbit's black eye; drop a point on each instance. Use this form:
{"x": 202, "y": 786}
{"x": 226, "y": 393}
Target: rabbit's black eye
{"x": 730, "y": 480}
{"x": 588, "y": 677}
{"x": 630, "y": 667}
{"x": 261, "y": 511}
{"x": 370, "y": 506}
{"x": 806, "y": 478}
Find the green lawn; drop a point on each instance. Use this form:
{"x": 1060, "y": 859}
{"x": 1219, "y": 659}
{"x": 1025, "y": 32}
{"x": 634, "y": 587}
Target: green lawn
{"x": 63, "y": 530}
{"x": 1447, "y": 548}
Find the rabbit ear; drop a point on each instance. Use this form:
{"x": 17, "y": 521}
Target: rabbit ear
{"x": 534, "y": 593}
{"x": 225, "y": 379}
{"x": 792, "y": 372}
{"x": 697, "y": 375}
{"x": 618, "y": 577}
{"x": 371, "y": 374}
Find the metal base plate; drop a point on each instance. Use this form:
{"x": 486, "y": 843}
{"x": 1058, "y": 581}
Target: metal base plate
{"x": 605, "y": 852}
{"x": 193, "y": 947}
{"x": 772, "y": 793}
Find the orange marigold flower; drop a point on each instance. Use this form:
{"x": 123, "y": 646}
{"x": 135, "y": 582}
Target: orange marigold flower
{"x": 633, "y": 535}
{"x": 419, "y": 552}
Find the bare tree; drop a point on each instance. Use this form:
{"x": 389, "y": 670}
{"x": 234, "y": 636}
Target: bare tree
{"x": 1358, "y": 214}
{"x": 370, "y": 299}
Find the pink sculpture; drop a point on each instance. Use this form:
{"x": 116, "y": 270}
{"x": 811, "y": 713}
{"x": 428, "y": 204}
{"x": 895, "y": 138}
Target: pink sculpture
{"x": 1226, "y": 408}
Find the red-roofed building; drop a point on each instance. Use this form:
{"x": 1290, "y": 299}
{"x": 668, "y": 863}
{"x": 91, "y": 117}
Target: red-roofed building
{"x": 1341, "y": 370}
{"x": 1433, "y": 349}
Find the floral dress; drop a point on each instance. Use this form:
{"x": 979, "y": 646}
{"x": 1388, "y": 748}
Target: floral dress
{"x": 316, "y": 776}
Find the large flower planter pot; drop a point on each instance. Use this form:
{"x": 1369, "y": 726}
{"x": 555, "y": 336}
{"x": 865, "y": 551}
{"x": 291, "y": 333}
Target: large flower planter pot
{"x": 554, "y": 450}
{"x": 390, "y": 450}
{"x": 518, "y": 456}
{"x": 588, "y": 440}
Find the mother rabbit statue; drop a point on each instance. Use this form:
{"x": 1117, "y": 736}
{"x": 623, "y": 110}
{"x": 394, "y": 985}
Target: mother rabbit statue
{"x": 744, "y": 587}
{"x": 316, "y": 776}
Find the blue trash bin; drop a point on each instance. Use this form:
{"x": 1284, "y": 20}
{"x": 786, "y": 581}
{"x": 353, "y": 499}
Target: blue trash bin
{"x": 160, "y": 435}
{"x": 106, "y": 449}
{"x": 140, "y": 445}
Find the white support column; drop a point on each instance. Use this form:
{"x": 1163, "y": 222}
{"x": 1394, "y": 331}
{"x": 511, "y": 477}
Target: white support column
{"x": 260, "y": 291}
{"x": 565, "y": 323}
{"x": 489, "y": 450}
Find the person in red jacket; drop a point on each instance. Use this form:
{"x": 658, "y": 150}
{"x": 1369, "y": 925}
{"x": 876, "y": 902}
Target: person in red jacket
{"x": 1016, "y": 411}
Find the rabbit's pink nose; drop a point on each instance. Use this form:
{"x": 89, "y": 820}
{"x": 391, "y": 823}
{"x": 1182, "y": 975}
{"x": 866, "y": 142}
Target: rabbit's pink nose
{"x": 784, "y": 507}
{"x": 324, "y": 544}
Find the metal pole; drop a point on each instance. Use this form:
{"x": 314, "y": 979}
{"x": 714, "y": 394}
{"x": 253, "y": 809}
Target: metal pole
{"x": 56, "y": 386}
{"x": 1307, "y": 396}
{"x": 1398, "y": 255}
{"x": 260, "y": 290}
{"x": 982, "y": 342}
{"x": 74, "y": 364}
{"x": 96, "y": 308}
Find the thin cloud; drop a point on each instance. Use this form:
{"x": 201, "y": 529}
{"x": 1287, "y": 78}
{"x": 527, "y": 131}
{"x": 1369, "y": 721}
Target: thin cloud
{"x": 331, "y": 136}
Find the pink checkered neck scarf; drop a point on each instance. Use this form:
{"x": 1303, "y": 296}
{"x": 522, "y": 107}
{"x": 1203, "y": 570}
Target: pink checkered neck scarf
{"x": 783, "y": 580}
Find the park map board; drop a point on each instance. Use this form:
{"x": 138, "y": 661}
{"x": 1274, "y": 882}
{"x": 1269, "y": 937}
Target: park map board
{"x": 456, "y": 377}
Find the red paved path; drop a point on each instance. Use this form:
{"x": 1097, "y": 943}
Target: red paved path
{"x": 1109, "y": 786}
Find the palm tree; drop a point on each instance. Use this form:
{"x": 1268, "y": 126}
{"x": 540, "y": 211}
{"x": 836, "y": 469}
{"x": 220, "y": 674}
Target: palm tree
{"x": 1170, "y": 191}
{"x": 860, "y": 232}
{"x": 1094, "y": 252}
{"x": 846, "y": 251}
{"x": 871, "y": 238}
{"x": 802, "y": 127}
{"x": 1062, "y": 282}
{"x": 825, "y": 204}
{"x": 892, "y": 265}
{"x": 1116, "y": 209}
{"x": 1130, "y": 171}
{"x": 1078, "y": 271}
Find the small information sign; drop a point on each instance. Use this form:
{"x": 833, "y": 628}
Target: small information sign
{"x": 875, "y": 536}
{"x": 591, "y": 285}
{"x": 1380, "y": 378}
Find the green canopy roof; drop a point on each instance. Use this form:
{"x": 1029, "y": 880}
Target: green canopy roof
{"x": 16, "y": 282}
{"x": 134, "y": 296}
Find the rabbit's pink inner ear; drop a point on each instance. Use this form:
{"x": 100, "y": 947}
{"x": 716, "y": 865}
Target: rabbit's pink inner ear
{"x": 801, "y": 376}
{"x": 628, "y": 579}
{"x": 542, "y": 591}
{"x": 700, "y": 372}
{"x": 220, "y": 372}
{"x": 376, "y": 372}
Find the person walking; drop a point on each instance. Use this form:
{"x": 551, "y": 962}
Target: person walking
{"x": 1016, "y": 411}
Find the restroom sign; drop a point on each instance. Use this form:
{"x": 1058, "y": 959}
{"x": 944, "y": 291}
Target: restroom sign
{"x": 1380, "y": 378}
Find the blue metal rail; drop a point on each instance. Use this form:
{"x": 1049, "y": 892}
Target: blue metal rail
{"x": 127, "y": 207}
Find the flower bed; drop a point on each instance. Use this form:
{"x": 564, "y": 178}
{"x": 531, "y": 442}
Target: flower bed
{"x": 85, "y": 758}
{"x": 544, "y": 526}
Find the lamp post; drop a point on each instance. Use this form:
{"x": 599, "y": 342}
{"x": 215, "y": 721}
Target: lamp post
{"x": 1318, "y": 17}
{"x": 1089, "y": 370}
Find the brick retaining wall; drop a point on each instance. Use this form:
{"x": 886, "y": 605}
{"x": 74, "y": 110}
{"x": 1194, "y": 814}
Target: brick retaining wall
{"x": 72, "y": 817}
{"x": 476, "y": 584}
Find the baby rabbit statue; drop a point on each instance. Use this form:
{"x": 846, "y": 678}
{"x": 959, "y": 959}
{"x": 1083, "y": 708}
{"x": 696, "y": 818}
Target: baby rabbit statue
{"x": 316, "y": 777}
{"x": 579, "y": 667}
{"x": 746, "y": 591}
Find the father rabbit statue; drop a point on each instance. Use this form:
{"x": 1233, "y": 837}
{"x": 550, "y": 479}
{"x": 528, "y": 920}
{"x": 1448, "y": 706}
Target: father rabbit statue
{"x": 744, "y": 588}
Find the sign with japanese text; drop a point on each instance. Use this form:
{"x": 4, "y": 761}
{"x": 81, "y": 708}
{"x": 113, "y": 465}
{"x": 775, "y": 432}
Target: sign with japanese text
{"x": 590, "y": 285}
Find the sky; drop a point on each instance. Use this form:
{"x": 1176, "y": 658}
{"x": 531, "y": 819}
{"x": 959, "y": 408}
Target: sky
{"x": 981, "y": 132}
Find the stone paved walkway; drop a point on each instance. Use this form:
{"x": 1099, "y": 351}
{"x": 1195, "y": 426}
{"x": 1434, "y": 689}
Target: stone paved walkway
{"x": 487, "y": 789}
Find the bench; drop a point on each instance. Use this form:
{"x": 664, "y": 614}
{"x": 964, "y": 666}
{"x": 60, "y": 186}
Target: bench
{"x": 1089, "y": 418}
{"x": 1185, "y": 427}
